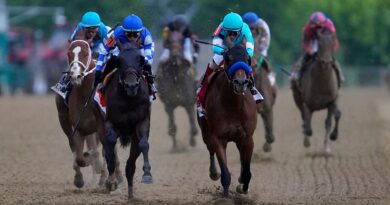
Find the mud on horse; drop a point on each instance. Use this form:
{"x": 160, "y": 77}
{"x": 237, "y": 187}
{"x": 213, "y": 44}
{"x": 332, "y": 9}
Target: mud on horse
{"x": 230, "y": 116}
{"x": 128, "y": 112}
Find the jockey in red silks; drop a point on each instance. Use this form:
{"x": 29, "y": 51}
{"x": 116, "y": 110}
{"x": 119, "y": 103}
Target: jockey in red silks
{"x": 235, "y": 29}
{"x": 318, "y": 21}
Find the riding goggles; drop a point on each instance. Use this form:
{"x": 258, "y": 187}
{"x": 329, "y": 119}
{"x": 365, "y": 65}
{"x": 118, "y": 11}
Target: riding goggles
{"x": 233, "y": 33}
{"x": 132, "y": 34}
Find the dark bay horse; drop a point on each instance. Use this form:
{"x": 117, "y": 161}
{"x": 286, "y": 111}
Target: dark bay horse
{"x": 265, "y": 109}
{"x": 230, "y": 116}
{"x": 318, "y": 89}
{"x": 128, "y": 115}
{"x": 81, "y": 67}
{"x": 176, "y": 86}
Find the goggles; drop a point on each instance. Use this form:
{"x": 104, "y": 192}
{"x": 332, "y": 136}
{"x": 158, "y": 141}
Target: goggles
{"x": 132, "y": 34}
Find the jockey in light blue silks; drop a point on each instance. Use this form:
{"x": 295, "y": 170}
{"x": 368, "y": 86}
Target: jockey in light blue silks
{"x": 96, "y": 35}
{"x": 131, "y": 29}
{"x": 234, "y": 28}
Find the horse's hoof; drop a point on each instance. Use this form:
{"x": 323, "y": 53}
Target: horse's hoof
{"x": 267, "y": 147}
{"x": 333, "y": 136}
{"x": 78, "y": 181}
{"x": 130, "y": 193}
{"x": 147, "y": 179}
{"x": 102, "y": 180}
{"x": 119, "y": 178}
{"x": 306, "y": 142}
{"x": 225, "y": 193}
{"x": 215, "y": 176}
{"x": 240, "y": 189}
{"x": 111, "y": 186}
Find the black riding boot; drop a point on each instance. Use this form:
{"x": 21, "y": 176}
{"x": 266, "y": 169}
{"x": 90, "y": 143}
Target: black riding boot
{"x": 150, "y": 79}
{"x": 63, "y": 87}
{"x": 255, "y": 93}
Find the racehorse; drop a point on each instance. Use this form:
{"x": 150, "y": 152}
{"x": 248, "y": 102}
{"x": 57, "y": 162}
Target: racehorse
{"x": 128, "y": 114}
{"x": 85, "y": 120}
{"x": 176, "y": 85}
{"x": 318, "y": 89}
{"x": 265, "y": 109}
{"x": 230, "y": 116}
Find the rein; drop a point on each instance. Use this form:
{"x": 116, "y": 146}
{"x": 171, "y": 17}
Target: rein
{"x": 86, "y": 67}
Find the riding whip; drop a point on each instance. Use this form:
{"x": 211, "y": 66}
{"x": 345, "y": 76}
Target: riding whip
{"x": 207, "y": 43}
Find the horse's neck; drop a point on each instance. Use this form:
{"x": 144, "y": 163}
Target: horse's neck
{"x": 322, "y": 74}
{"x": 228, "y": 96}
{"x": 82, "y": 92}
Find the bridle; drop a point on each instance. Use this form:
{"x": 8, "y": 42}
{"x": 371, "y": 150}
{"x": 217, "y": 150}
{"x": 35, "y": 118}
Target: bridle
{"x": 87, "y": 69}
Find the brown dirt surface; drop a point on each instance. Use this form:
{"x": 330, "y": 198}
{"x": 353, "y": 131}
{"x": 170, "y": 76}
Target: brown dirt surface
{"x": 36, "y": 162}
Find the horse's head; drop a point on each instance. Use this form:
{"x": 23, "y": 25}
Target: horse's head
{"x": 236, "y": 63}
{"x": 79, "y": 59}
{"x": 325, "y": 52}
{"x": 175, "y": 44}
{"x": 130, "y": 68}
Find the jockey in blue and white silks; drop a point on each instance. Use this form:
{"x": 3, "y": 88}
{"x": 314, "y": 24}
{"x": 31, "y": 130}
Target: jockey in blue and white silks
{"x": 235, "y": 29}
{"x": 132, "y": 28}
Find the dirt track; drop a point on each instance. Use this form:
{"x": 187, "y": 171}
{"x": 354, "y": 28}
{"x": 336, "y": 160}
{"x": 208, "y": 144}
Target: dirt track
{"x": 36, "y": 162}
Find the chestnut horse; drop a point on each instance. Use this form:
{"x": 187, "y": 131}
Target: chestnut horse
{"x": 265, "y": 109}
{"x": 128, "y": 115}
{"x": 176, "y": 86}
{"x": 318, "y": 89}
{"x": 81, "y": 67}
{"x": 230, "y": 116}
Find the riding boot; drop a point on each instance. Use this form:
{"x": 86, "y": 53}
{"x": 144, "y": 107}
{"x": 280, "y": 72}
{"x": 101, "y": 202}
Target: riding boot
{"x": 201, "y": 91}
{"x": 255, "y": 93}
{"x": 63, "y": 86}
{"x": 339, "y": 72}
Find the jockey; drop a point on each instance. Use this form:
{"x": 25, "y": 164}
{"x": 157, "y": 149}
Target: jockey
{"x": 234, "y": 28}
{"x": 262, "y": 37}
{"x": 131, "y": 29}
{"x": 180, "y": 24}
{"x": 318, "y": 21}
{"x": 96, "y": 34}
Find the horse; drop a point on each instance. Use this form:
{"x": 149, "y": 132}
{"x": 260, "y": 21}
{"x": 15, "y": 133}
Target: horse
{"x": 128, "y": 115}
{"x": 75, "y": 115}
{"x": 176, "y": 85}
{"x": 230, "y": 116}
{"x": 318, "y": 89}
{"x": 265, "y": 109}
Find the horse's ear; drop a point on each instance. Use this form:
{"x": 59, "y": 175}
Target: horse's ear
{"x": 119, "y": 44}
{"x": 80, "y": 34}
{"x": 244, "y": 41}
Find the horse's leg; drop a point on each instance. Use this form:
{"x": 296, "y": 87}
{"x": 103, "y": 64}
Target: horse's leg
{"x": 109, "y": 150}
{"x": 130, "y": 166}
{"x": 307, "y": 131}
{"x": 78, "y": 160}
{"x": 171, "y": 126}
{"x": 100, "y": 137}
{"x": 328, "y": 126}
{"x": 225, "y": 174}
{"x": 214, "y": 175}
{"x": 143, "y": 144}
{"x": 337, "y": 116}
{"x": 92, "y": 146}
{"x": 118, "y": 172}
{"x": 246, "y": 150}
{"x": 267, "y": 115}
{"x": 191, "y": 116}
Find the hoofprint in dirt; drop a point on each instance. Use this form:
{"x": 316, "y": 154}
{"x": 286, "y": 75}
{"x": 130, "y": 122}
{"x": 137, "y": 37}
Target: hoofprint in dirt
{"x": 36, "y": 161}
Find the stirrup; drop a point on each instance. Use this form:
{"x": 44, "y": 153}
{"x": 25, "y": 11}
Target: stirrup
{"x": 256, "y": 95}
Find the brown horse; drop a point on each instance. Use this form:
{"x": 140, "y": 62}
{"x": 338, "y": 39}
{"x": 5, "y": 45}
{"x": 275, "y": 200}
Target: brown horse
{"x": 230, "y": 116}
{"x": 265, "y": 109}
{"x": 128, "y": 115}
{"x": 81, "y": 75}
{"x": 176, "y": 85}
{"x": 318, "y": 89}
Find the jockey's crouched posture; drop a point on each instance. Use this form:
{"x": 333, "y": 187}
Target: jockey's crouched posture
{"x": 234, "y": 28}
{"x": 96, "y": 35}
{"x": 318, "y": 22}
{"x": 131, "y": 29}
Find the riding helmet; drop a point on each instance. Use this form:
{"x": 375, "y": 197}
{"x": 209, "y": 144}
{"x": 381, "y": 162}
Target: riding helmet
{"x": 250, "y": 18}
{"x": 232, "y": 22}
{"x": 90, "y": 19}
{"x": 318, "y": 18}
{"x": 132, "y": 23}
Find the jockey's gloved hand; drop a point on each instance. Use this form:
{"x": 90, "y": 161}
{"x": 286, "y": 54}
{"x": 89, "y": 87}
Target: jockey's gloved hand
{"x": 98, "y": 78}
{"x": 195, "y": 58}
